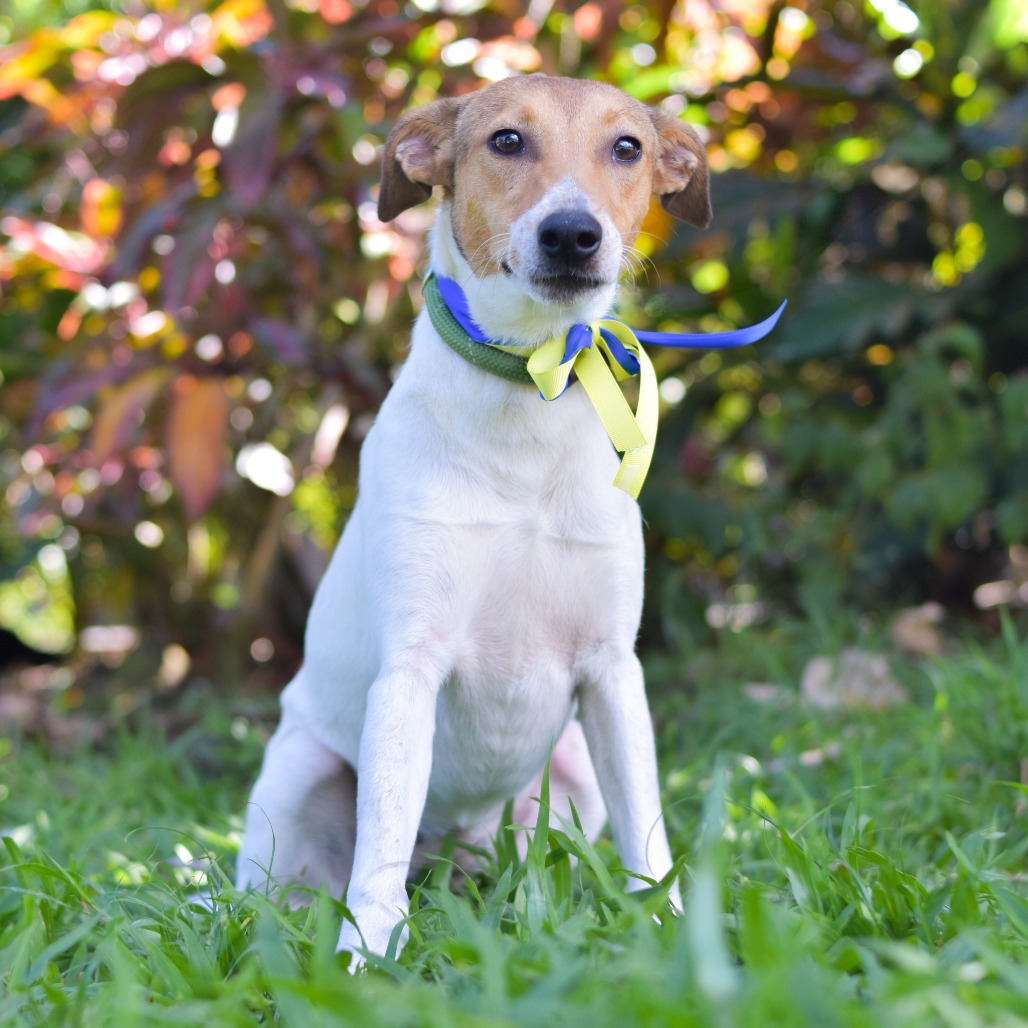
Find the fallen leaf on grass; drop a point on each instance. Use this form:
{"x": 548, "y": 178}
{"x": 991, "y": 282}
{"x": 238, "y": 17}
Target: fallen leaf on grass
{"x": 913, "y": 630}
{"x": 856, "y": 680}
{"x": 764, "y": 692}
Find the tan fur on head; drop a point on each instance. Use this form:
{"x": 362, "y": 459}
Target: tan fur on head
{"x": 572, "y": 125}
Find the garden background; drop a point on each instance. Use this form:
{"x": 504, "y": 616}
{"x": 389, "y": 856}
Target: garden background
{"x": 200, "y": 313}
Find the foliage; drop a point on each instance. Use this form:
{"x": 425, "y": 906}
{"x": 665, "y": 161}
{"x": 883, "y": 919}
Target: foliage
{"x": 839, "y": 870}
{"x": 201, "y": 311}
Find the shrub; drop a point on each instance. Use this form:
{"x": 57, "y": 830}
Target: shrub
{"x": 201, "y": 311}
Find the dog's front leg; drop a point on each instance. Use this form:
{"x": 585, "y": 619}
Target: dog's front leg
{"x": 619, "y": 733}
{"x": 392, "y": 782}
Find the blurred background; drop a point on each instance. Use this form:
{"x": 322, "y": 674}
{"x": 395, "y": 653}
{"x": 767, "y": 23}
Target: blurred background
{"x": 200, "y": 313}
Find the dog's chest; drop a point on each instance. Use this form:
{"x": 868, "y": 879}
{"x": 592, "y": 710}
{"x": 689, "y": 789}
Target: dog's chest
{"x": 540, "y": 603}
{"x": 539, "y": 597}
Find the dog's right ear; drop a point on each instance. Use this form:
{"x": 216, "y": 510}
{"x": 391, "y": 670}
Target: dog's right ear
{"x": 418, "y": 155}
{"x": 681, "y": 175}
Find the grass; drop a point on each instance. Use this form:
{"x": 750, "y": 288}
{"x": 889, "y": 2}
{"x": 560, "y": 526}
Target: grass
{"x": 839, "y": 869}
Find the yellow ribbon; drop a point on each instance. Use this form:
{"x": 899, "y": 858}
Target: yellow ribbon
{"x": 633, "y": 433}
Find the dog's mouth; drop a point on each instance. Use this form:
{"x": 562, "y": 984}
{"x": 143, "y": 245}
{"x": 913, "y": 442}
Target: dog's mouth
{"x": 562, "y": 287}
{"x": 566, "y": 287}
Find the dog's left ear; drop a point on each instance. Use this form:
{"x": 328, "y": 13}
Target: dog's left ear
{"x": 680, "y": 174}
{"x": 418, "y": 155}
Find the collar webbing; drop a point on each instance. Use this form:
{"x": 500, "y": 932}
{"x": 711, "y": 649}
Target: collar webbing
{"x": 510, "y": 366}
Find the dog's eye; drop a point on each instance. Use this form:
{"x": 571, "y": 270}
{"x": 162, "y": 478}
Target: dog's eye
{"x": 507, "y": 142}
{"x": 627, "y": 149}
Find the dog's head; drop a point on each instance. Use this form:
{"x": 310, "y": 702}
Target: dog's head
{"x": 546, "y": 181}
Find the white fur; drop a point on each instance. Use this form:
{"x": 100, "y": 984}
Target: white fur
{"x": 485, "y": 594}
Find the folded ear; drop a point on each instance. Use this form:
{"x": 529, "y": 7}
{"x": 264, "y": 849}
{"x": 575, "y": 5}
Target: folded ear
{"x": 680, "y": 174}
{"x": 418, "y": 155}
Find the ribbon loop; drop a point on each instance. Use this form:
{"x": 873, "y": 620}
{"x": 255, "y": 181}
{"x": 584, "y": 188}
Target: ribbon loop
{"x": 602, "y": 354}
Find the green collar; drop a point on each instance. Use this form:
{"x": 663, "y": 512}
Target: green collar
{"x": 510, "y": 366}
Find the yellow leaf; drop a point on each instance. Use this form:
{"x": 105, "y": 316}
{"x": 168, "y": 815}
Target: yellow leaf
{"x": 121, "y": 410}
{"x": 196, "y": 441}
{"x": 101, "y": 208}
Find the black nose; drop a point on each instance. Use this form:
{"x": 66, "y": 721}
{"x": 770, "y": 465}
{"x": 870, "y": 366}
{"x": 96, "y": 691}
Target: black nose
{"x": 571, "y": 237}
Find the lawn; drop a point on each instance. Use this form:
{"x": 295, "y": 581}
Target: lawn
{"x": 840, "y": 866}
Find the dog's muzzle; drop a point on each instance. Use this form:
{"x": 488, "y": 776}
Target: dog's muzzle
{"x": 568, "y": 242}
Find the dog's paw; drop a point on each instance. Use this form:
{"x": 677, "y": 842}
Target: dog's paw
{"x": 371, "y": 931}
{"x": 350, "y": 941}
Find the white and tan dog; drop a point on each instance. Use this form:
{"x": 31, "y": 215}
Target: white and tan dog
{"x": 482, "y": 606}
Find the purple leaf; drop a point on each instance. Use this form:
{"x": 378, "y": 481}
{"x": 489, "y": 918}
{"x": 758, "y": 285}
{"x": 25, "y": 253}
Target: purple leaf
{"x": 283, "y": 340}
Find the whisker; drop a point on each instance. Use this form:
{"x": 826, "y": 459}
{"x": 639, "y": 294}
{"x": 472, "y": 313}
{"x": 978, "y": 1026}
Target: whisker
{"x": 504, "y": 253}
{"x": 660, "y": 239}
{"x": 495, "y": 237}
{"x": 634, "y": 261}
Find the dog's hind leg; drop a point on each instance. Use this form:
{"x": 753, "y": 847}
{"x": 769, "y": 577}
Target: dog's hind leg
{"x": 572, "y": 780}
{"x": 301, "y": 818}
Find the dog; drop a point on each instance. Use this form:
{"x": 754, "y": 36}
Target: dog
{"x": 479, "y": 615}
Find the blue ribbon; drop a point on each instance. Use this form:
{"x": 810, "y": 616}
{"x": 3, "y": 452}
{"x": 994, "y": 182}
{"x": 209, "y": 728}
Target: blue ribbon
{"x": 458, "y": 304}
{"x": 580, "y": 336}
